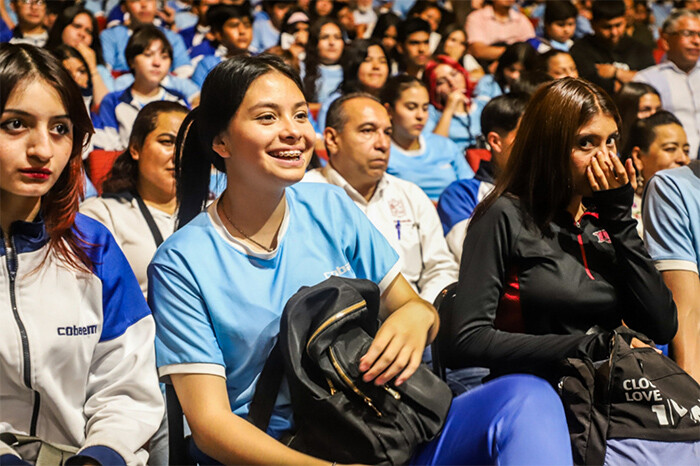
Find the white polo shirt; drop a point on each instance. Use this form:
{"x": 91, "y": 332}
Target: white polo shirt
{"x": 123, "y": 218}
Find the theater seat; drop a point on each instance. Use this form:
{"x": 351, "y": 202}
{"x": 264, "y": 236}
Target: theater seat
{"x": 100, "y": 164}
{"x": 443, "y": 303}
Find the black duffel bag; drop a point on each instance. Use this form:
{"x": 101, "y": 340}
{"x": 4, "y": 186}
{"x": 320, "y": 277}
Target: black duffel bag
{"x": 637, "y": 406}
{"x": 324, "y": 331}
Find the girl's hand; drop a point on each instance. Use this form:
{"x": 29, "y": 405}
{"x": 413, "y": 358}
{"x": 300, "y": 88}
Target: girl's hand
{"x": 455, "y": 98}
{"x": 167, "y": 14}
{"x": 398, "y": 347}
{"x": 608, "y": 172}
{"x": 636, "y": 343}
{"x": 89, "y": 56}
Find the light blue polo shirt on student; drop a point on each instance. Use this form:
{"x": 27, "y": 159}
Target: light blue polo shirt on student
{"x": 672, "y": 219}
{"x": 433, "y": 166}
{"x": 217, "y": 304}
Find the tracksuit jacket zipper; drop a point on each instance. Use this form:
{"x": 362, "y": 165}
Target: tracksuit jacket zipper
{"x": 11, "y": 261}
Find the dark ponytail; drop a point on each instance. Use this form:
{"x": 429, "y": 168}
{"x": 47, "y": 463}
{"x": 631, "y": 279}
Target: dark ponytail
{"x": 222, "y": 93}
{"x": 192, "y": 169}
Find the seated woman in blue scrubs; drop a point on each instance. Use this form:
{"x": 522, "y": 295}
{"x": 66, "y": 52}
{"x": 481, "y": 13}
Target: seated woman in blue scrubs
{"x": 218, "y": 285}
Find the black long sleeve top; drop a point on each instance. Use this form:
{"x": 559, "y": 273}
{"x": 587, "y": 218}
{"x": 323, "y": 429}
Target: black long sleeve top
{"x": 526, "y": 300}
{"x": 591, "y": 50}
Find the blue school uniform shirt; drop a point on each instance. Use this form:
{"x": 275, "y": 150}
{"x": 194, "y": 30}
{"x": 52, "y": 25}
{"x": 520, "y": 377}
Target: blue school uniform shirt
{"x": 487, "y": 88}
{"x": 329, "y": 79}
{"x": 437, "y": 163}
{"x": 5, "y": 32}
{"x": 323, "y": 112}
{"x": 118, "y": 111}
{"x": 217, "y": 304}
{"x": 205, "y": 65}
{"x": 464, "y": 129}
{"x": 182, "y": 85}
{"x": 672, "y": 219}
{"x": 114, "y": 42}
{"x": 265, "y": 35}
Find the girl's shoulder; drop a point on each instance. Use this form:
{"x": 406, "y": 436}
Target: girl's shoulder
{"x": 317, "y": 197}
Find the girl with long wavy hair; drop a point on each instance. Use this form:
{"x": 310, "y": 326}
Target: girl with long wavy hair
{"x": 321, "y": 71}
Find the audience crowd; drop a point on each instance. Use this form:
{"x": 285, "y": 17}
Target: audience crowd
{"x": 542, "y": 154}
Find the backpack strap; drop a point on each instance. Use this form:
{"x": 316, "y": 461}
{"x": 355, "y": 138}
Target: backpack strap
{"x": 50, "y": 454}
{"x": 157, "y": 236}
{"x": 266, "y": 390}
{"x": 695, "y": 167}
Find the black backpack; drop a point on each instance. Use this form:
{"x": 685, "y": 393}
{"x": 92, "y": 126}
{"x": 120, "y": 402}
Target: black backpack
{"x": 613, "y": 406}
{"x": 324, "y": 330}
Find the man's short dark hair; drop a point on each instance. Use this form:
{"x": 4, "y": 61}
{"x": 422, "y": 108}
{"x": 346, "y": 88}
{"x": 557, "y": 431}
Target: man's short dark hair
{"x": 410, "y": 26}
{"x": 607, "y": 10}
{"x": 336, "y": 117}
{"x": 142, "y": 38}
{"x": 502, "y": 113}
{"x": 558, "y": 10}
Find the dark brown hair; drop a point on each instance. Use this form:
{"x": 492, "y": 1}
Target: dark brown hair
{"x": 538, "y": 171}
{"x": 21, "y": 64}
{"x": 125, "y": 171}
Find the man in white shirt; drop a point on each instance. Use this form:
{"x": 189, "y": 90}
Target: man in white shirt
{"x": 677, "y": 78}
{"x": 358, "y": 140}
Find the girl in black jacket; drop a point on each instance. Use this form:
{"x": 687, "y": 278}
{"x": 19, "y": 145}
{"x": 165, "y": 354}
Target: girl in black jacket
{"x": 552, "y": 261}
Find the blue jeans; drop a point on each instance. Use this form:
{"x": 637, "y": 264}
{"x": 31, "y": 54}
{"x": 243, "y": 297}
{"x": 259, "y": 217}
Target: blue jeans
{"x": 516, "y": 419}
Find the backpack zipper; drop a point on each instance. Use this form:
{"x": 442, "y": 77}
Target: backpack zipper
{"x": 334, "y": 318}
{"x": 350, "y": 384}
{"x": 11, "y": 262}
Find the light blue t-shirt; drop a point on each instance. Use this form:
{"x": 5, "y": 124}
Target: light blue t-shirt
{"x": 487, "y": 88}
{"x": 329, "y": 79}
{"x": 203, "y": 68}
{"x": 464, "y": 129}
{"x": 433, "y": 167}
{"x": 323, "y": 111}
{"x": 672, "y": 219}
{"x": 265, "y": 34}
{"x": 217, "y": 304}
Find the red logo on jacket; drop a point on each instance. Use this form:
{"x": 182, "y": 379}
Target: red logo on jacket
{"x": 602, "y": 236}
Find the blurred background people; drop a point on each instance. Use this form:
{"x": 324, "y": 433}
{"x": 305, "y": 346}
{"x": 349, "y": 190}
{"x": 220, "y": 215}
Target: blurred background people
{"x": 678, "y": 77}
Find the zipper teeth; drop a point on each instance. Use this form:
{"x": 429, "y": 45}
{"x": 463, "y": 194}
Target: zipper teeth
{"x": 11, "y": 261}
{"x": 35, "y": 414}
{"x": 350, "y": 384}
{"x": 334, "y": 318}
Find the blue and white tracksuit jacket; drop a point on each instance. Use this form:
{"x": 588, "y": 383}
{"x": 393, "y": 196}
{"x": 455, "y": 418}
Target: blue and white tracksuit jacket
{"x": 118, "y": 112}
{"x": 77, "y": 360}
{"x": 114, "y": 42}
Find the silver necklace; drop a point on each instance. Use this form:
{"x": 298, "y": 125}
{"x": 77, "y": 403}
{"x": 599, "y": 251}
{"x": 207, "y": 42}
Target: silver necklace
{"x": 223, "y": 208}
